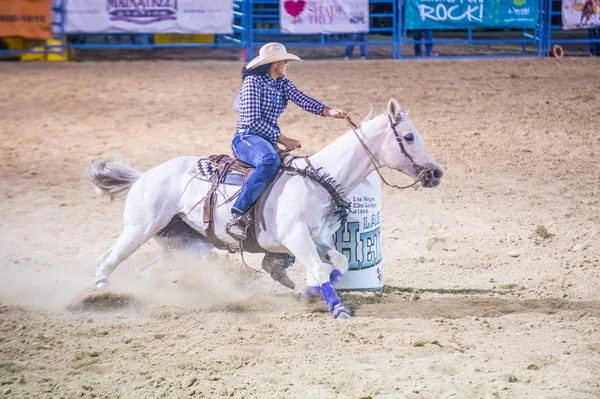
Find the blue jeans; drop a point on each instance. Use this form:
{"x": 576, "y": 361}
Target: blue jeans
{"x": 357, "y": 37}
{"x": 417, "y": 34}
{"x": 257, "y": 152}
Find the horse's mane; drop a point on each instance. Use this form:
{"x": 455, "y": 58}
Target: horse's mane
{"x": 371, "y": 117}
{"x": 335, "y": 189}
{"x": 341, "y": 207}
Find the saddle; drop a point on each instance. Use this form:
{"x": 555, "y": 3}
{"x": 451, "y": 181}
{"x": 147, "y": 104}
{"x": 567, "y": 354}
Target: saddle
{"x": 227, "y": 170}
{"x": 222, "y": 169}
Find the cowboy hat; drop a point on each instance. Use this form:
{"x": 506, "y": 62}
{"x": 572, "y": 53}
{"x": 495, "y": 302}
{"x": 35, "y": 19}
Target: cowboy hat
{"x": 271, "y": 52}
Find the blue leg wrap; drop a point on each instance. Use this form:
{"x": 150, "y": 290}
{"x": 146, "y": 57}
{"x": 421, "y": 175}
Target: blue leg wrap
{"x": 331, "y": 297}
{"x": 335, "y": 276}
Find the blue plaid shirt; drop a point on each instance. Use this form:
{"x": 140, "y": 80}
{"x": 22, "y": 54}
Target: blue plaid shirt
{"x": 263, "y": 99}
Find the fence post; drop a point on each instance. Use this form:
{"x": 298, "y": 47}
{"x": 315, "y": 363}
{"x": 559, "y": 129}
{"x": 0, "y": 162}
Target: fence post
{"x": 249, "y": 29}
{"x": 540, "y": 29}
{"x": 58, "y": 9}
{"x": 400, "y": 23}
{"x": 548, "y": 28}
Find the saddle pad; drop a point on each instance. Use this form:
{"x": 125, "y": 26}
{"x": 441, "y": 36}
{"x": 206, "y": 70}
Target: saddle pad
{"x": 205, "y": 169}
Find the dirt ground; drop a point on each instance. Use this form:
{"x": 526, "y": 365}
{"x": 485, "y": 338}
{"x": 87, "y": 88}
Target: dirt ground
{"x": 491, "y": 278}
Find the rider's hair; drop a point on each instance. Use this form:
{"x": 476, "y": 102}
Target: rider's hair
{"x": 258, "y": 71}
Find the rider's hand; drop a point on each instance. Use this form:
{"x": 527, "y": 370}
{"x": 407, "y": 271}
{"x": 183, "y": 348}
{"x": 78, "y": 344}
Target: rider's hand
{"x": 290, "y": 144}
{"x": 335, "y": 113}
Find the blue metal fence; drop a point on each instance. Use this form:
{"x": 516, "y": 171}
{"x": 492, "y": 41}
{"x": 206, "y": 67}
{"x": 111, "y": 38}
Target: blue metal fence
{"x": 58, "y": 28}
{"x": 484, "y": 43}
{"x": 265, "y": 28}
{"x": 257, "y": 22}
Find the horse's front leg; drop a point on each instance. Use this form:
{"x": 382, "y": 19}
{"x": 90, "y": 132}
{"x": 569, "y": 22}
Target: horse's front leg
{"x": 332, "y": 256}
{"x": 299, "y": 242}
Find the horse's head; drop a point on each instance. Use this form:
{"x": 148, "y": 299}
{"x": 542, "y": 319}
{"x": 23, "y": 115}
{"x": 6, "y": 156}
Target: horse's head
{"x": 404, "y": 149}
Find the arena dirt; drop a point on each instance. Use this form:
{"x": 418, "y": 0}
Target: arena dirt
{"x": 491, "y": 278}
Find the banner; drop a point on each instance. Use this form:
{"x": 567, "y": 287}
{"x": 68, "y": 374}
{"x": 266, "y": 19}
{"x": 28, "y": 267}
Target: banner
{"x": 324, "y": 16}
{"x": 474, "y": 14}
{"x": 580, "y": 15}
{"x": 149, "y": 16}
{"x": 30, "y": 19}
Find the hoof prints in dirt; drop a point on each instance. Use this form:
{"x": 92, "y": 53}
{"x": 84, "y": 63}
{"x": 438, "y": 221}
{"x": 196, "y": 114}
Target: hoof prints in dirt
{"x": 104, "y": 301}
{"x": 255, "y": 303}
{"x": 233, "y": 307}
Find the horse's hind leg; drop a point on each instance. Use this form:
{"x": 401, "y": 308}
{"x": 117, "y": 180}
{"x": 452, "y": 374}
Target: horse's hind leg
{"x": 132, "y": 237}
{"x": 142, "y": 222}
{"x": 179, "y": 238}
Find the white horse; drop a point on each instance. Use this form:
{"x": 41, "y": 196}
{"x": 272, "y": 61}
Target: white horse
{"x": 298, "y": 216}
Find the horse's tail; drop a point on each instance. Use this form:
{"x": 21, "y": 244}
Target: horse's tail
{"x": 112, "y": 178}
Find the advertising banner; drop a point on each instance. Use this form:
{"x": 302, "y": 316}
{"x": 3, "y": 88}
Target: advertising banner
{"x": 580, "y": 14}
{"x": 29, "y": 19}
{"x": 324, "y": 16}
{"x": 474, "y": 14}
{"x": 149, "y": 16}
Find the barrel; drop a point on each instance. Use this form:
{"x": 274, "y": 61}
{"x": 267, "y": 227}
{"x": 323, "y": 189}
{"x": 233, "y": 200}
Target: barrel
{"x": 359, "y": 239}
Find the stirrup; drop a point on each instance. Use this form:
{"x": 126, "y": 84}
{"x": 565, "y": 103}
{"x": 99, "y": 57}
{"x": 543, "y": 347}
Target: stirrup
{"x": 240, "y": 221}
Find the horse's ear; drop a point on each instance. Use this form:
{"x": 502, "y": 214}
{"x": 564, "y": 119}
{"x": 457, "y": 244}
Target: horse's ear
{"x": 394, "y": 109}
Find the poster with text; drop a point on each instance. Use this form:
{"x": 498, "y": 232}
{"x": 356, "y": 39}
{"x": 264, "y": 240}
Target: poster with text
{"x": 324, "y": 16}
{"x": 580, "y": 14}
{"x": 30, "y": 19}
{"x": 474, "y": 14}
{"x": 149, "y": 16}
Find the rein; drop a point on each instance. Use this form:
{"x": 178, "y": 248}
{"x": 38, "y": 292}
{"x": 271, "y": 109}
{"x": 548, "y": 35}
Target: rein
{"x": 421, "y": 170}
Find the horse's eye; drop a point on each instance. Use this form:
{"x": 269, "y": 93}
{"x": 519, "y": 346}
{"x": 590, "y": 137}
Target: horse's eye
{"x": 409, "y": 137}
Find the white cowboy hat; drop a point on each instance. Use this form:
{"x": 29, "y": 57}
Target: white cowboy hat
{"x": 271, "y": 52}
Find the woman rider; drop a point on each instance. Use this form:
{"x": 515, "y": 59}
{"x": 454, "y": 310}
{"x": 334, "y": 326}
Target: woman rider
{"x": 263, "y": 98}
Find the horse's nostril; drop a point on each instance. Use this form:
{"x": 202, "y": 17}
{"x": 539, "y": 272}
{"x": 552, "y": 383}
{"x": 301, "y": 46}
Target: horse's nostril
{"x": 437, "y": 173}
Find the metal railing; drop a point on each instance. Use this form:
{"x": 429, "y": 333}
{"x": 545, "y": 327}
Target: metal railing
{"x": 265, "y": 27}
{"x": 257, "y": 22}
{"x": 575, "y": 42}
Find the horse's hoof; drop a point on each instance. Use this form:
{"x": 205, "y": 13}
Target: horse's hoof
{"x": 341, "y": 312}
{"x": 343, "y": 316}
{"x": 101, "y": 283}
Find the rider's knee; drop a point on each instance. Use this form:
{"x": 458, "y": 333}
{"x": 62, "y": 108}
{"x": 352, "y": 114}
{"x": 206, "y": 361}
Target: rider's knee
{"x": 272, "y": 161}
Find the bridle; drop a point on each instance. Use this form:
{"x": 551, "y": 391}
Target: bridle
{"x": 420, "y": 170}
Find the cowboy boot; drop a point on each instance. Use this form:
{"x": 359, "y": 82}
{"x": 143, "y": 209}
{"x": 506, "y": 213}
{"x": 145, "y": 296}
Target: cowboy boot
{"x": 277, "y": 265}
{"x": 237, "y": 227}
